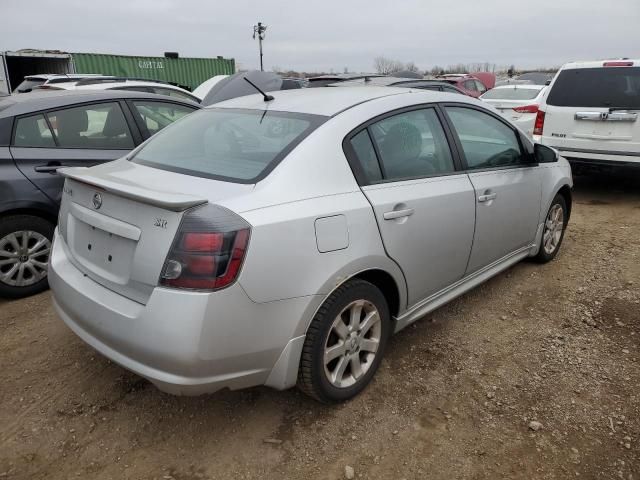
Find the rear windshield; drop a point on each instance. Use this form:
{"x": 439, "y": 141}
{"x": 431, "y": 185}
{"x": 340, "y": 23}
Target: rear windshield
{"x": 235, "y": 145}
{"x": 512, "y": 94}
{"x": 605, "y": 87}
{"x": 29, "y": 84}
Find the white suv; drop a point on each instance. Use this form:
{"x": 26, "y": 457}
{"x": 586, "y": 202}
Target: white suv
{"x": 590, "y": 113}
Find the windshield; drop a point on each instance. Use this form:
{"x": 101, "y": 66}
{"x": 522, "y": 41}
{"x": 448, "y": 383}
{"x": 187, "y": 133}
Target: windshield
{"x": 29, "y": 84}
{"x": 512, "y": 94}
{"x": 237, "y": 145}
{"x": 605, "y": 87}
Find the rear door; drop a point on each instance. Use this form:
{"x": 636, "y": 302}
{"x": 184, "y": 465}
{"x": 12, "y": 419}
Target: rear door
{"x": 507, "y": 185}
{"x": 595, "y": 110}
{"x": 79, "y": 136}
{"x": 423, "y": 205}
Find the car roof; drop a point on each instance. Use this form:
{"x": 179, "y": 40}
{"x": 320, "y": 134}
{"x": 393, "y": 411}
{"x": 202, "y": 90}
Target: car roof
{"x": 329, "y": 101}
{"x": 128, "y": 83}
{"x": 599, "y": 63}
{"x": 19, "y": 104}
{"x": 71, "y": 76}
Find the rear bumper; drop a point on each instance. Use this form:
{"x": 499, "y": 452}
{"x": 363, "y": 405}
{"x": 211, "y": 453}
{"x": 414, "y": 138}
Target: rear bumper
{"x": 186, "y": 343}
{"x": 600, "y": 157}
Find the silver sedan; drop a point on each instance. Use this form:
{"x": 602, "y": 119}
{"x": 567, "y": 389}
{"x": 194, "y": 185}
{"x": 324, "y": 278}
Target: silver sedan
{"x": 281, "y": 241}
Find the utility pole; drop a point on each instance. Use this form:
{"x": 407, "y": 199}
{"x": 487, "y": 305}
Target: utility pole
{"x": 259, "y": 30}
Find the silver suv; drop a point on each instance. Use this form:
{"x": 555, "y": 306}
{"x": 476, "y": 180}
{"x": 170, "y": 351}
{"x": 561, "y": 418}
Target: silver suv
{"x": 282, "y": 241}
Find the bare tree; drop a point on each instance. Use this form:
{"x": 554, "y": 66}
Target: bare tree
{"x": 411, "y": 67}
{"x": 385, "y": 66}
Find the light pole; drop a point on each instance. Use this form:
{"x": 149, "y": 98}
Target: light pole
{"x": 259, "y": 30}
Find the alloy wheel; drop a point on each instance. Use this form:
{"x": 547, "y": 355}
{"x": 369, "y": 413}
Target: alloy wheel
{"x": 553, "y": 227}
{"x": 24, "y": 256}
{"x": 352, "y": 343}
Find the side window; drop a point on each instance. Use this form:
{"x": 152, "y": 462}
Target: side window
{"x": 451, "y": 90}
{"x": 33, "y": 132}
{"x": 100, "y": 125}
{"x": 486, "y": 141}
{"x": 412, "y": 144}
{"x": 470, "y": 85}
{"x": 366, "y": 154}
{"x": 480, "y": 86}
{"x": 157, "y": 115}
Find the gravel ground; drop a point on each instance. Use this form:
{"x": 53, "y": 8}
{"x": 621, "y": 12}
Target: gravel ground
{"x": 535, "y": 374}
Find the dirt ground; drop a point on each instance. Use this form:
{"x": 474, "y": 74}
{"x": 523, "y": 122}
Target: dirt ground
{"x": 557, "y": 344}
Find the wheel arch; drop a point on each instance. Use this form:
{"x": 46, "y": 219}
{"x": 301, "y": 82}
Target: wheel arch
{"x": 565, "y": 192}
{"x": 284, "y": 373}
{"x": 35, "y": 210}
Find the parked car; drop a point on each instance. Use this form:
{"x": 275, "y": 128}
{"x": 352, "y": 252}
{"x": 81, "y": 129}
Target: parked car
{"x": 529, "y": 78}
{"x": 469, "y": 84}
{"x": 33, "y": 81}
{"x": 518, "y": 103}
{"x": 43, "y": 131}
{"x": 590, "y": 113}
{"x": 421, "y": 84}
{"x": 127, "y": 84}
{"x": 201, "y": 90}
{"x": 282, "y": 240}
{"x": 324, "y": 80}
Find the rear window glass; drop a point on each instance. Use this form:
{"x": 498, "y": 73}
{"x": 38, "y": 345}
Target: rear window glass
{"x": 228, "y": 144}
{"x": 597, "y": 87}
{"x": 512, "y": 94}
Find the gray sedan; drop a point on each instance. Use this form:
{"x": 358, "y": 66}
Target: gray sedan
{"x": 44, "y": 131}
{"x": 281, "y": 241}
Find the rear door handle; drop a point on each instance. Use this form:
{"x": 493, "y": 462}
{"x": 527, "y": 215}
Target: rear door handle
{"x": 407, "y": 212}
{"x": 487, "y": 197}
{"x": 51, "y": 167}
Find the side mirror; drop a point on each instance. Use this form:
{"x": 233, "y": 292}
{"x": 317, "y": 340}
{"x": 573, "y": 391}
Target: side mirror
{"x": 544, "y": 154}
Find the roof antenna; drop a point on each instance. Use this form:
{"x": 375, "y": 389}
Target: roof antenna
{"x": 267, "y": 98}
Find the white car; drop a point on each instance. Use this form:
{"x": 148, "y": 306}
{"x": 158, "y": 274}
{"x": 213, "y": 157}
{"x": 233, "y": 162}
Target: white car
{"x": 518, "y": 103}
{"x": 115, "y": 83}
{"x": 590, "y": 113}
{"x": 35, "y": 81}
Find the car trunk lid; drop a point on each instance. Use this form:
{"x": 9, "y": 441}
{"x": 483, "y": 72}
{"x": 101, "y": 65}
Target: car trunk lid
{"x": 119, "y": 220}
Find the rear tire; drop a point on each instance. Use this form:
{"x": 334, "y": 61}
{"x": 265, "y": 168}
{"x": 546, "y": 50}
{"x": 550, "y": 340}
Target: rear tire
{"x": 345, "y": 343}
{"x": 25, "y": 246}
{"x": 555, "y": 223}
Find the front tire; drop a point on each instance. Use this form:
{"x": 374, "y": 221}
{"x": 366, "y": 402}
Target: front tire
{"x": 345, "y": 343}
{"x": 25, "y": 246}
{"x": 555, "y": 224}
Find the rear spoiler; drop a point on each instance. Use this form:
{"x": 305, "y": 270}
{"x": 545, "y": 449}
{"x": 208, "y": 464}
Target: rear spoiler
{"x": 167, "y": 200}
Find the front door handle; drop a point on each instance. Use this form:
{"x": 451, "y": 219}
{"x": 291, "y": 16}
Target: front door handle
{"x": 406, "y": 212}
{"x": 487, "y": 197}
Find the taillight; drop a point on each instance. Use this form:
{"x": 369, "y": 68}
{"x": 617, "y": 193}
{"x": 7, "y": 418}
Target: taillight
{"x": 539, "y": 124}
{"x": 208, "y": 250}
{"x": 617, "y": 64}
{"x": 526, "y": 109}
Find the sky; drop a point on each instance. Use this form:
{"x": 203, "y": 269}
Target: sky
{"x": 331, "y": 35}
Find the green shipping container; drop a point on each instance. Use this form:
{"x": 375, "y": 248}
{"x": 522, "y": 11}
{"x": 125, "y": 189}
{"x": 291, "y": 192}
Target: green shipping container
{"x": 185, "y": 72}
